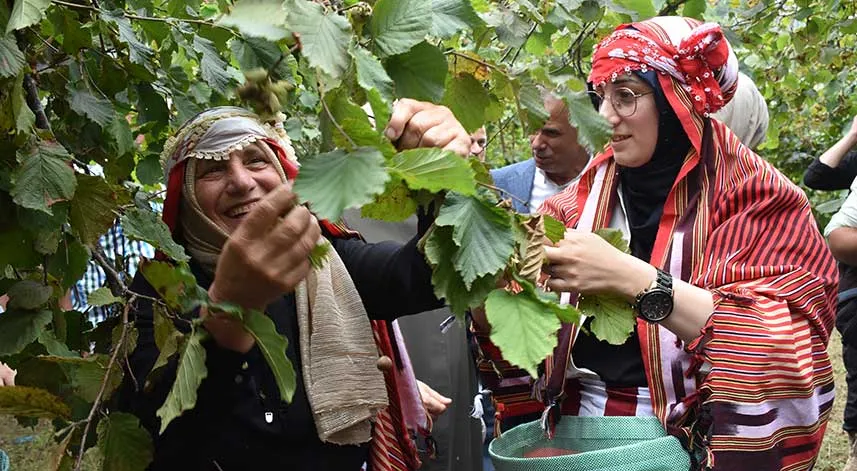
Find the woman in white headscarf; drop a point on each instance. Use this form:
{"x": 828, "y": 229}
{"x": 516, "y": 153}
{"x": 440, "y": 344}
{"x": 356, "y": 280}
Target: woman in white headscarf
{"x": 747, "y": 113}
{"x": 229, "y": 204}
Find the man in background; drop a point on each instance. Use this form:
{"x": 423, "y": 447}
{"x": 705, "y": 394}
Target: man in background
{"x": 556, "y": 162}
{"x": 440, "y": 355}
{"x": 478, "y": 143}
{"x": 441, "y": 359}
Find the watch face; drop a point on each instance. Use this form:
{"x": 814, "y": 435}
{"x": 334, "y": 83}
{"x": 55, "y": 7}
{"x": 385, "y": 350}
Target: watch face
{"x": 656, "y": 305}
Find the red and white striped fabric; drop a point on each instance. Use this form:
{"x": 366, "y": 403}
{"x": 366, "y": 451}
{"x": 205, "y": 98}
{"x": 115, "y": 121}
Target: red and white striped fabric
{"x": 391, "y": 448}
{"x": 734, "y": 225}
{"x": 755, "y": 389}
{"x": 590, "y": 397}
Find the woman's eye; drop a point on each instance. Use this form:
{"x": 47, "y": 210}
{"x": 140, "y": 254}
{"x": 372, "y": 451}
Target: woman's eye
{"x": 625, "y": 95}
{"x": 209, "y": 172}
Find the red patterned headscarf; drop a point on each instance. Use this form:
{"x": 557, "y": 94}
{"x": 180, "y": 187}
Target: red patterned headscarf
{"x": 697, "y": 69}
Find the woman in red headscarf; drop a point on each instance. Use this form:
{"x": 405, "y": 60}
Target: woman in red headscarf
{"x": 731, "y": 281}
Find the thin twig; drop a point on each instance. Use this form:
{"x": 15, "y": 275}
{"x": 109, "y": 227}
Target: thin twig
{"x": 88, "y": 78}
{"x": 106, "y": 53}
{"x": 95, "y": 405}
{"x": 336, "y": 124}
{"x": 156, "y": 194}
{"x": 530, "y": 33}
{"x": 578, "y": 59}
{"x": 114, "y": 280}
{"x": 143, "y": 296}
{"x": 574, "y": 51}
{"x": 502, "y": 191}
{"x": 478, "y": 43}
{"x": 47, "y": 43}
{"x": 670, "y": 8}
{"x": 776, "y": 8}
{"x": 35, "y": 103}
{"x": 171, "y": 19}
{"x": 503, "y": 140}
{"x": 348, "y": 7}
{"x": 132, "y": 16}
{"x": 506, "y": 53}
{"x": 283, "y": 54}
{"x": 575, "y": 48}
{"x": 31, "y": 91}
{"x": 130, "y": 370}
{"x": 68, "y": 428}
{"x": 52, "y": 64}
{"x": 100, "y": 36}
{"x": 500, "y": 130}
{"x": 473, "y": 59}
{"x": 75, "y": 5}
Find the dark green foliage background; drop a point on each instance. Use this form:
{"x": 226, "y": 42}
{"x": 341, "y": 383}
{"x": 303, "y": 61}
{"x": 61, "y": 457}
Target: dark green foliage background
{"x": 105, "y": 82}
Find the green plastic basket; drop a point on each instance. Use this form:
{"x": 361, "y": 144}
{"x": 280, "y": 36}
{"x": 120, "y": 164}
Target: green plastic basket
{"x": 601, "y": 443}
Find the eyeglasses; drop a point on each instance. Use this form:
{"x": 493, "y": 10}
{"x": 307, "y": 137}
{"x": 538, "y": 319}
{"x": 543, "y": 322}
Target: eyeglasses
{"x": 623, "y": 99}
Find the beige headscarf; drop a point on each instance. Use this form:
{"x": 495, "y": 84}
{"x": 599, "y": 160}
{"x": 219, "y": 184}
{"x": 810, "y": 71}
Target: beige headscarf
{"x": 344, "y": 387}
{"x": 747, "y": 113}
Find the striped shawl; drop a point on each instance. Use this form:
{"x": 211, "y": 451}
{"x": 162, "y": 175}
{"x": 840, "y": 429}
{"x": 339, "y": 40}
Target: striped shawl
{"x": 754, "y": 390}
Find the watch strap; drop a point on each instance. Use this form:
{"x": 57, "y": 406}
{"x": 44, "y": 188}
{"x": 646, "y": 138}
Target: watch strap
{"x": 664, "y": 281}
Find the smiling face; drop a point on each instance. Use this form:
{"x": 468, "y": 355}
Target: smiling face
{"x": 635, "y": 136}
{"x": 227, "y": 190}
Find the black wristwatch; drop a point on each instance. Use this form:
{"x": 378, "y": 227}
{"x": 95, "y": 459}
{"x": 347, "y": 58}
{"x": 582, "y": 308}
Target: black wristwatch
{"x": 655, "y": 303}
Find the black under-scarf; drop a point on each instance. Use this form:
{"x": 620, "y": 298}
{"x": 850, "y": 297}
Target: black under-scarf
{"x": 645, "y": 188}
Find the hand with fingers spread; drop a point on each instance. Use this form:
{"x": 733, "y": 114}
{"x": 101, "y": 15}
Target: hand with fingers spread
{"x": 421, "y": 124}
{"x": 265, "y": 257}
{"x": 584, "y": 262}
{"x": 268, "y": 253}
{"x": 434, "y": 402}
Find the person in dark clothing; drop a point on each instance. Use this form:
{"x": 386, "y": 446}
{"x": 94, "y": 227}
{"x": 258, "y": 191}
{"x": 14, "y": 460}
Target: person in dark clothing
{"x": 227, "y": 204}
{"x": 836, "y": 169}
{"x": 441, "y": 360}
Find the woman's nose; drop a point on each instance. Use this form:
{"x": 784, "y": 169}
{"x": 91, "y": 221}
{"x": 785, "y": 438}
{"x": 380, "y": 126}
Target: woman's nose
{"x": 609, "y": 113}
{"x": 475, "y": 148}
{"x": 240, "y": 179}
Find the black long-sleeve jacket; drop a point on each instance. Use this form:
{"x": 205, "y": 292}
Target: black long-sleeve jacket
{"x": 239, "y": 423}
{"x": 819, "y": 176}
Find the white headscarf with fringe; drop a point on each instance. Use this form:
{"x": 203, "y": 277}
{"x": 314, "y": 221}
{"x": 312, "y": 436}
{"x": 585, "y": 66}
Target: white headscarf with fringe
{"x": 344, "y": 387}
